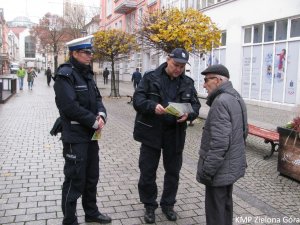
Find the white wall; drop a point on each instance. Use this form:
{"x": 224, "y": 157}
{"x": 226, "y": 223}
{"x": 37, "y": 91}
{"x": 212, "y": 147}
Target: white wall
{"x": 22, "y": 36}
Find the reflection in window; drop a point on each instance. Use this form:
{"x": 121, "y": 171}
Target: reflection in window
{"x": 257, "y": 36}
{"x": 247, "y": 36}
{"x": 210, "y": 2}
{"x": 269, "y": 32}
{"x": 281, "y": 30}
{"x": 295, "y": 28}
{"x": 223, "y": 39}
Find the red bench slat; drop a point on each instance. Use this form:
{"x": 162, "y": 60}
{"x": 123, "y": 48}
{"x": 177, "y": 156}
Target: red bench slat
{"x": 263, "y": 133}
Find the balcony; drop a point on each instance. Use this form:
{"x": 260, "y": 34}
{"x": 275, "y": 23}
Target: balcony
{"x": 151, "y": 2}
{"x": 4, "y": 56}
{"x": 125, "y": 7}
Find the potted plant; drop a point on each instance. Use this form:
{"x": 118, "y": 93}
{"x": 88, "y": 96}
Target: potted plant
{"x": 289, "y": 149}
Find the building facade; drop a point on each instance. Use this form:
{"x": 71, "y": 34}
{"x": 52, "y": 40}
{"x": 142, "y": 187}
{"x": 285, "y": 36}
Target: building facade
{"x": 260, "y": 45}
{"x": 262, "y": 49}
{"x": 4, "y": 56}
{"x": 126, "y": 15}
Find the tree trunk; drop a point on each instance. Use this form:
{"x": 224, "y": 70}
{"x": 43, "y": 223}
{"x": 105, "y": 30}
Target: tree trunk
{"x": 114, "y": 81}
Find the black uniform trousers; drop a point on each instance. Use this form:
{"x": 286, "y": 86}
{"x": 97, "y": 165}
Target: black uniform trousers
{"x": 81, "y": 177}
{"x": 148, "y": 164}
{"x": 218, "y": 205}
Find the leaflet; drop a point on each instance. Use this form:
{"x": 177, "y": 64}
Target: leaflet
{"x": 96, "y": 135}
{"x": 178, "y": 109}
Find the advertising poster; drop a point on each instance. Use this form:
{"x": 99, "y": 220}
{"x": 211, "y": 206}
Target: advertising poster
{"x": 279, "y": 72}
{"x": 292, "y": 70}
{"x": 267, "y": 73}
{"x": 255, "y": 76}
{"x": 246, "y": 72}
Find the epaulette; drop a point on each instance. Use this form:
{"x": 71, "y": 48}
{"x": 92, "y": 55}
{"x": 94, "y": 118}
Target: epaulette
{"x": 64, "y": 70}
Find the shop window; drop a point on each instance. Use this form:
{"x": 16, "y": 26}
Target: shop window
{"x": 269, "y": 32}
{"x": 281, "y": 30}
{"x": 295, "y": 28}
{"x": 257, "y": 36}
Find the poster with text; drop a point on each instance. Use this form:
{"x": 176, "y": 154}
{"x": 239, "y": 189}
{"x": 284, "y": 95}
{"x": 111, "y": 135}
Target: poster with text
{"x": 255, "y": 75}
{"x": 246, "y": 72}
{"x": 293, "y": 62}
{"x": 267, "y": 73}
{"x": 279, "y": 72}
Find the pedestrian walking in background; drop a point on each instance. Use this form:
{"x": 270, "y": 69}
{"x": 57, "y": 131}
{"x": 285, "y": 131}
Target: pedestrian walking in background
{"x": 161, "y": 133}
{"x": 136, "y": 78}
{"x": 222, "y": 159}
{"x": 82, "y": 113}
{"x": 21, "y": 74}
{"x": 49, "y": 75}
{"x": 105, "y": 76}
{"x": 30, "y": 77}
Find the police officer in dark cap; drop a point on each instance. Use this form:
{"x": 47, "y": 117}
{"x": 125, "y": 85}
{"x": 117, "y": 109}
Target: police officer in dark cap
{"x": 82, "y": 113}
{"x": 161, "y": 133}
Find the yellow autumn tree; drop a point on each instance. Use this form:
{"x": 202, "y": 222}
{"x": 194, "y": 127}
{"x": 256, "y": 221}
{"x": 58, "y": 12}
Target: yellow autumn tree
{"x": 167, "y": 29}
{"x": 111, "y": 45}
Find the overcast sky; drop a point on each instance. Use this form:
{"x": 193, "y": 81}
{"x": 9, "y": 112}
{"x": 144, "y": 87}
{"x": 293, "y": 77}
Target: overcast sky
{"x": 36, "y": 9}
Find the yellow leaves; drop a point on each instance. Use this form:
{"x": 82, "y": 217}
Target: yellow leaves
{"x": 189, "y": 29}
{"x": 109, "y": 44}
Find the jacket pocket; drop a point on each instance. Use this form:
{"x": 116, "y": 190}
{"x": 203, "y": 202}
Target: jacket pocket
{"x": 82, "y": 93}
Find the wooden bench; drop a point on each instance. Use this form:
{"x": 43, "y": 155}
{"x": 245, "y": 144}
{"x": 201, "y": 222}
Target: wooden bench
{"x": 269, "y": 136}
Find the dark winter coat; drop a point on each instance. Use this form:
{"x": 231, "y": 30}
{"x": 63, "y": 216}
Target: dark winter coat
{"x": 150, "y": 92}
{"x": 78, "y": 100}
{"x": 136, "y": 77}
{"x": 222, "y": 153}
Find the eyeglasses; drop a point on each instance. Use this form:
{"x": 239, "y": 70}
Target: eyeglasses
{"x": 87, "y": 52}
{"x": 208, "y": 78}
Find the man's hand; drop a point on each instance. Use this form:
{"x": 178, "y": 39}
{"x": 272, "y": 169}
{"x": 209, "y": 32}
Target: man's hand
{"x": 159, "y": 109}
{"x": 183, "y": 118}
{"x": 101, "y": 122}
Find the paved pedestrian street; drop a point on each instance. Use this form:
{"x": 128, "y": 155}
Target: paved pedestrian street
{"x": 31, "y": 166}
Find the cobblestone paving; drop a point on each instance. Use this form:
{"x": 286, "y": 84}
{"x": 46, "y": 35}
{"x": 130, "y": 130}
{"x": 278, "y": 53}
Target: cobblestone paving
{"x": 31, "y": 167}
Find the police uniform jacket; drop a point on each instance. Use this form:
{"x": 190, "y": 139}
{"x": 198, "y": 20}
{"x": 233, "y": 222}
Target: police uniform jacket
{"x": 222, "y": 152}
{"x": 78, "y": 100}
{"x": 148, "y": 126}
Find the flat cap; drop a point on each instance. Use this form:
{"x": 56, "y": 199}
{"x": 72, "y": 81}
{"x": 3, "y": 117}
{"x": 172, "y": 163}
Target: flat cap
{"x": 216, "y": 69}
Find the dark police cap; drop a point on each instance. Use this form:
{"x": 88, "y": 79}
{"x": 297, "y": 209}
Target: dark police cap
{"x": 179, "y": 55}
{"x": 216, "y": 69}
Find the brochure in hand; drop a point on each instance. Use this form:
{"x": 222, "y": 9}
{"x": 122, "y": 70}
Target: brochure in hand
{"x": 96, "y": 135}
{"x": 178, "y": 109}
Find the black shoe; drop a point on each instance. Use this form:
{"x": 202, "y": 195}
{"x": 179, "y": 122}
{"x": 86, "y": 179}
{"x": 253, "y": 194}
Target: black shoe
{"x": 169, "y": 212}
{"x": 98, "y": 219}
{"x": 149, "y": 215}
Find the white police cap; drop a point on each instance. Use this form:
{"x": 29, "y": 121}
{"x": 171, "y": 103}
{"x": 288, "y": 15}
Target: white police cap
{"x": 81, "y": 43}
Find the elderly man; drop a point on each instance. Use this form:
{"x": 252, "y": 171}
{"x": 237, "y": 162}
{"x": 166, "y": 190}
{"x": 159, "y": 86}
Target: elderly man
{"x": 161, "y": 133}
{"x": 82, "y": 113}
{"x": 222, "y": 153}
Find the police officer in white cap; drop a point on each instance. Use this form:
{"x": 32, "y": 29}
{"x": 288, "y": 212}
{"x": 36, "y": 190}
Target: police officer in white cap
{"x": 82, "y": 113}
